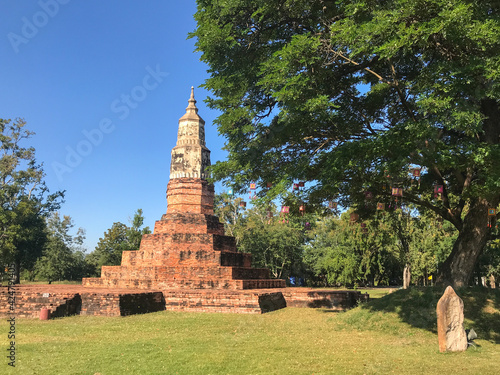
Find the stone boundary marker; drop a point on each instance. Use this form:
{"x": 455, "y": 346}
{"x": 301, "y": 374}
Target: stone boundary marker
{"x": 450, "y": 322}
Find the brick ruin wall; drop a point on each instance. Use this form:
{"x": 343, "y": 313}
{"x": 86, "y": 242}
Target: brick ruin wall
{"x": 66, "y": 300}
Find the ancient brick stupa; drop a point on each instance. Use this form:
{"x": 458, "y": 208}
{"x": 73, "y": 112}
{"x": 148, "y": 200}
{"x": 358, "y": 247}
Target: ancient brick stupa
{"x": 187, "y": 264}
{"x": 188, "y": 248}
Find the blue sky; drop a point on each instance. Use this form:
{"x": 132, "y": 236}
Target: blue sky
{"x": 103, "y": 84}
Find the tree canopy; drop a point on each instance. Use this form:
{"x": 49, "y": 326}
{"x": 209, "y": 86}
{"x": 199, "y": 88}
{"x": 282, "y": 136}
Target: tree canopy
{"x": 363, "y": 96}
{"x": 24, "y": 198}
{"x": 63, "y": 255}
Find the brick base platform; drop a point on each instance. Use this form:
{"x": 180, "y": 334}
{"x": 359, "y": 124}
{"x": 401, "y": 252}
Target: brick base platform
{"x": 66, "y": 300}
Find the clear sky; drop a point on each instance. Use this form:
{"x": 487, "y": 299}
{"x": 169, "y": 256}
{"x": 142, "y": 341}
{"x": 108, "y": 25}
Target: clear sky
{"x": 103, "y": 84}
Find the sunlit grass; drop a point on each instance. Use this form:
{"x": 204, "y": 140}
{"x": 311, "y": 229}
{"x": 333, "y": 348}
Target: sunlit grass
{"x": 380, "y": 337}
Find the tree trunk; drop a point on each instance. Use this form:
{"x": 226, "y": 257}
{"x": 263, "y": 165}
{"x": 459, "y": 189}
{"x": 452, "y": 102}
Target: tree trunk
{"x": 406, "y": 276}
{"x": 17, "y": 273}
{"x": 460, "y": 264}
{"x": 492, "y": 282}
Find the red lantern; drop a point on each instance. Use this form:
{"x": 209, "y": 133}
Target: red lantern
{"x": 438, "y": 191}
{"x": 301, "y": 183}
{"x": 243, "y": 204}
{"x": 269, "y": 185}
{"x": 295, "y": 186}
{"x": 492, "y": 214}
{"x": 284, "y": 214}
{"x": 397, "y": 192}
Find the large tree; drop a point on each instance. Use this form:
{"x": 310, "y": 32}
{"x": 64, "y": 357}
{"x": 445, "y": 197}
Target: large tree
{"x": 24, "y": 198}
{"x": 354, "y": 96}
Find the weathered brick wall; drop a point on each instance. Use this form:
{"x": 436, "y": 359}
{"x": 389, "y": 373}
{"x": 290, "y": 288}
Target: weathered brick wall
{"x": 28, "y": 303}
{"x": 66, "y": 300}
{"x": 190, "y": 195}
{"x": 257, "y": 302}
{"x": 330, "y": 299}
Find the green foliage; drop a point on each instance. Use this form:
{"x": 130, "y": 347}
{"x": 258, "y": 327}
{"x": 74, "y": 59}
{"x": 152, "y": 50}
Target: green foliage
{"x": 134, "y": 232}
{"x": 62, "y": 257}
{"x": 258, "y": 230}
{"x": 118, "y": 238}
{"x": 340, "y": 93}
{"x": 343, "y": 252}
{"x": 24, "y": 199}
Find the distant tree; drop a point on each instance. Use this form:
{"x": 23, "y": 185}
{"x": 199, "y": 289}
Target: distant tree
{"x": 345, "y": 93}
{"x": 118, "y": 238}
{"x": 274, "y": 244}
{"x": 61, "y": 255}
{"x": 24, "y": 199}
{"x": 346, "y": 252}
{"x": 108, "y": 251}
{"x": 227, "y": 209}
{"x": 134, "y": 232}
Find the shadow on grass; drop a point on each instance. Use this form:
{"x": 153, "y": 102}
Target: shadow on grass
{"x": 417, "y": 307}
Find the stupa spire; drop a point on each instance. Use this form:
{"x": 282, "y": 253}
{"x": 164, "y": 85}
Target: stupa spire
{"x": 190, "y": 156}
{"x": 192, "y": 102}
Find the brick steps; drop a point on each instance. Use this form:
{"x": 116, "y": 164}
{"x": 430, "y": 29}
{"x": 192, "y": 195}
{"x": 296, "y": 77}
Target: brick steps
{"x": 259, "y": 284}
{"x": 235, "y": 259}
{"x": 188, "y": 249}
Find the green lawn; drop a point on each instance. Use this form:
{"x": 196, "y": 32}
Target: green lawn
{"x": 394, "y": 334}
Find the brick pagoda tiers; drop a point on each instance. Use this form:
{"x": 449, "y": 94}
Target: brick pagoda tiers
{"x": 188, "y": 248}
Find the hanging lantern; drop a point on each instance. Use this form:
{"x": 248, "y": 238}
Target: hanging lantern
{"x": 364, "y": 229}
{"x": 416, "y": 175}
{"x": 295, "y": 187}
{"x": 230, "y": 192}
{"x": 302, "y": 209}
{"x": 301, "y": 183}
{"x": 438, "y": 191}
{"x": 243, "y": 204}
{"x": 269, "y": 185}
{"x": 354, "y": 217}
{"x": 253, "y": 186}
{"x": 380, "y": 206}
{"x": 332, "y": 205}
{"x": 284, "y": 214}
{"x": 492, "y": 214}
{"x": 269, "y": 215}
{"x": 397, "y": 193}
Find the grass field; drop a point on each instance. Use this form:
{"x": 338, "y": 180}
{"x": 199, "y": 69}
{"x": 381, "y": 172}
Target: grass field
{"x": 394, "y": 334}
